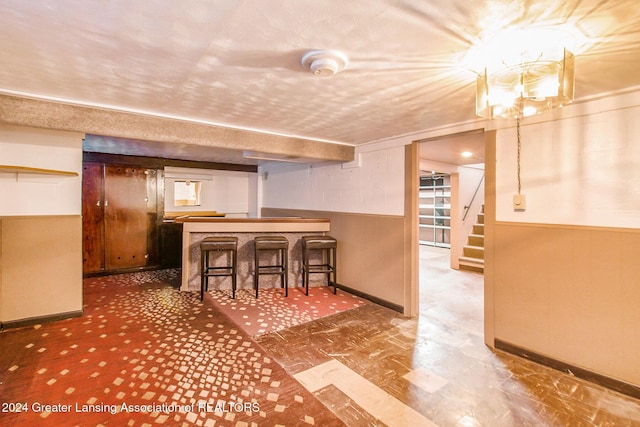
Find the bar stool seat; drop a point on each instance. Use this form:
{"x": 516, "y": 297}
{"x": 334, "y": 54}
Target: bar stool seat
{"x": 224, "y": 244}
{"x": 280, "y": 245}
{"x": 327, "y": 246}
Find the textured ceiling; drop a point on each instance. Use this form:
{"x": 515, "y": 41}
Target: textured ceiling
{"x": 237, "y": 63}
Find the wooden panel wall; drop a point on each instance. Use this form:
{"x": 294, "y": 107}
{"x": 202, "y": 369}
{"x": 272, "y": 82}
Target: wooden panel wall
{"x": 92, "y": 218}
{"x": 125, "y": 217}
{"x": 570, "y": 293}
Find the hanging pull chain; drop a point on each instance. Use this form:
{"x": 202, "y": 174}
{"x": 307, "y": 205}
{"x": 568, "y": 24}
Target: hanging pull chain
{"x": 519, "y": 149}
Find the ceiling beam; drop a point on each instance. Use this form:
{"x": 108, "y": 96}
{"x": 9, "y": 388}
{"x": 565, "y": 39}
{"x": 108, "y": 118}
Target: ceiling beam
{"x": 60, "y": 116}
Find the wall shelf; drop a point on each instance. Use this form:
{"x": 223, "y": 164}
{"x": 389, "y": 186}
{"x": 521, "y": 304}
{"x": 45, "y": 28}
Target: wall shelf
{"x": 35, "y": 171}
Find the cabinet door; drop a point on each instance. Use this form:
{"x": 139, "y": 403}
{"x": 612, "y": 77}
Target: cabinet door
{"x": 92, "y": 231}
{"x": 125, "y": 216}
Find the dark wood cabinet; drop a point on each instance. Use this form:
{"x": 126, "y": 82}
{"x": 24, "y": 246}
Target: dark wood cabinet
{"x": 171, "y": 245}
{"x": 92, "y": 217}
{"x": 120, "y": 213}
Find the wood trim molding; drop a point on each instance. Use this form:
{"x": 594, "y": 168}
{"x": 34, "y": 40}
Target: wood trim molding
{"x": 567, "y": 226}
{"x": 567, "y": 368}
{"x": 19, "y": 323}
{"x": 157, "y": 162}
{"x": 35, "y": 171}
{"x": 376, "y": 300}
{"x": 268, "y": 220}
{"x": 489, "y": 236}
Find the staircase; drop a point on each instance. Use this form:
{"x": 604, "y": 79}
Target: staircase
{"x": 473, "y": 252}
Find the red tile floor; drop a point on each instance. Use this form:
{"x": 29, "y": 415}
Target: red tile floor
{"x": 142, "y": 342}
{"x": 146, "y": 354}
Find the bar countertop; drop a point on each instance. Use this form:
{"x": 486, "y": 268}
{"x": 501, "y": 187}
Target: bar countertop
{"x": 250, "y": 220}
{"x": 196, "y": 228}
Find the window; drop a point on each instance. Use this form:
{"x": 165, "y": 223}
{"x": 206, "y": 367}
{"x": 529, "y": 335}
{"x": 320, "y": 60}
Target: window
{"x": 186, "y": 193}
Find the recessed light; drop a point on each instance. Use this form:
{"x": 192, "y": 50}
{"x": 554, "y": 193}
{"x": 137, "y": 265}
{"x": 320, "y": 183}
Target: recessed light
{"x": 466, "y": 154}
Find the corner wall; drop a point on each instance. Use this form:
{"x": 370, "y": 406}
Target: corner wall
{"x": 365, "y": 201}
{"x": 40, "y": 226}
{"x": 563, "y": 276}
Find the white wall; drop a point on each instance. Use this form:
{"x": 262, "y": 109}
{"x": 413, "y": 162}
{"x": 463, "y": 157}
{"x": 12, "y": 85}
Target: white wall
{"x": 27, "y": 194}
{"x": 372, "y": 184}
{"x": 229, "y": 192}
{"x": 580, "y": 170}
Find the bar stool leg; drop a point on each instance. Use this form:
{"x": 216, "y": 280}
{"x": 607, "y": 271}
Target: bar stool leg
{"x": 256, "y": 268}
{"x": 280, "y": 255}
{"x": 305, "y": 269}
{"x": 326, "y": 256}
{"x": 285, "y": 273}
{"x": 234, "y": 271}
{"x": 203, "y": 277}
{"x": 335, "y": 271}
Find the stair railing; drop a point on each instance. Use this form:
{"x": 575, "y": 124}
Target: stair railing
{"x": 468, "y": 206}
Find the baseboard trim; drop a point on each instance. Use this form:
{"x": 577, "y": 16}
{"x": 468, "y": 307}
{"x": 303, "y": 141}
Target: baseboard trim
{"x": 379, "y": 301}
{"x": 101, "y": 273}
{"x": 30, "y": 321}
{"x": 567, "y": 368}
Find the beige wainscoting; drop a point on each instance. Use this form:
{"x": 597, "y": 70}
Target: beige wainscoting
{"x": 570, "y": 293}
{"x": 40, "y": 268}
{"x": 371, "y": 252}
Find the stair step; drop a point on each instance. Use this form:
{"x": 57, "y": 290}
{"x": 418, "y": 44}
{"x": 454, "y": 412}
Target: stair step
{"x": 472, "y": 258}
{"x": 476, "y": 240}
{"x": 473, "y": 252}
{"x": 472, "y": 264}
{"x": 478, "y": 229}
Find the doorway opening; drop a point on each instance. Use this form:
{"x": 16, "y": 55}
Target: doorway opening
{"x": 435, "y": 209}
{"x": 451, "y": 194}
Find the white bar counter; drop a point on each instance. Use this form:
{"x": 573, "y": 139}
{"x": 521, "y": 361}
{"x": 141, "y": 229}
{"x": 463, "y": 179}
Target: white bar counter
{"x": 197, "y": 228}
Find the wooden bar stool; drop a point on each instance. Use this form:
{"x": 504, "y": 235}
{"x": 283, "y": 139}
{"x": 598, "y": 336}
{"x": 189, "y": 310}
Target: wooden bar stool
{"x": 227, "y": 245}
{"x": 327, "y": 246}
{"x": 280, "y": 244}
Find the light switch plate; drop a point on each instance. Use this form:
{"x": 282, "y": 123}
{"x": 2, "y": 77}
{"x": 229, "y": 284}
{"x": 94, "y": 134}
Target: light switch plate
{"x": 519, "y": 202}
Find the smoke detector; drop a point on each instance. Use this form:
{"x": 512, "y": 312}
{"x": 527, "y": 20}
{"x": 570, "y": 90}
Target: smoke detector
{"x": 324, "y": 63}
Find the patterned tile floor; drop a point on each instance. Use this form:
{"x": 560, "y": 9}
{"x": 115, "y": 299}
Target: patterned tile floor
{"x": 146, "y": 354}
{"x": 272, "y": 311}
{"x": 141, "y": 342}
{"x": 374, "y": 367}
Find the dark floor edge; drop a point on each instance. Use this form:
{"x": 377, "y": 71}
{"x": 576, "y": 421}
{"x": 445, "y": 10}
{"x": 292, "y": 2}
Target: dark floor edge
{"x": 379, "y": 301}
{"x": 30, "y": 321}
{"x": 102, "y": 273}
{"x": 567, "y": 368}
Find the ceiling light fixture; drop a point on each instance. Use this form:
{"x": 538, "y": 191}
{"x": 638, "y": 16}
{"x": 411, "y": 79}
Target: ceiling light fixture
{"x": 527, "y": 88}
{"x": 466, "y": 154}
{"x": 534, "y": 73}
{"x": 522, "y": 72}
{"x": 324, "y": 63}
